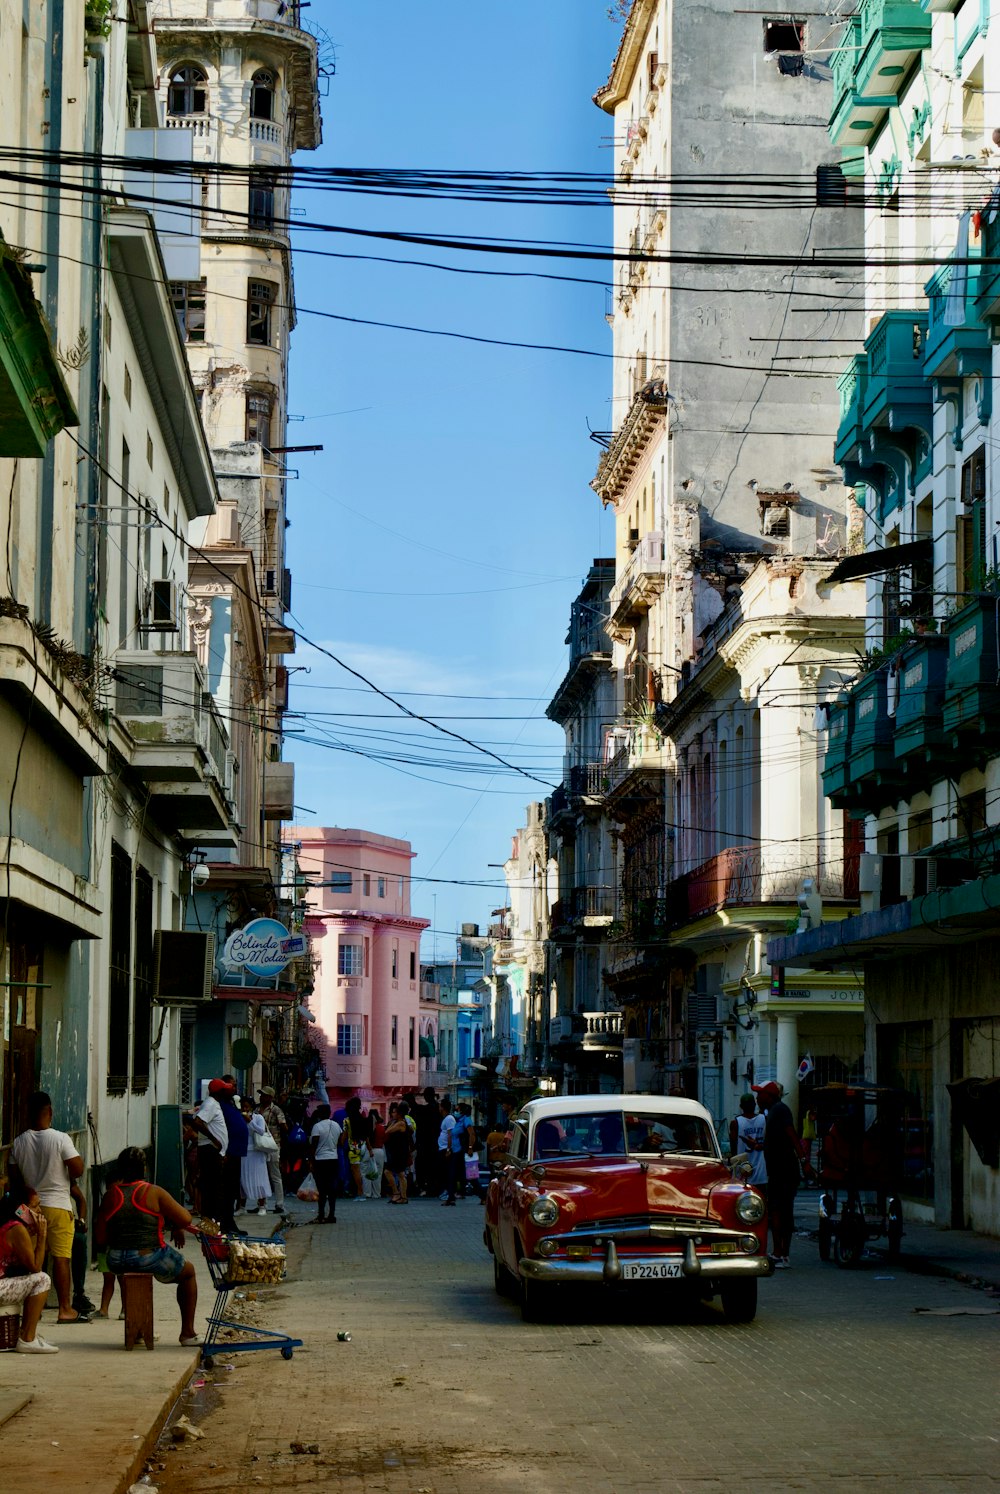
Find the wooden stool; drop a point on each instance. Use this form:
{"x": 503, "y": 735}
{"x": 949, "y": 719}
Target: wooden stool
{"x": 137, "y": 1299}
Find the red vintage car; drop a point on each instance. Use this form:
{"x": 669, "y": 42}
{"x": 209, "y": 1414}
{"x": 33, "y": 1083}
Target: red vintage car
{"x": 614, "y": 1189}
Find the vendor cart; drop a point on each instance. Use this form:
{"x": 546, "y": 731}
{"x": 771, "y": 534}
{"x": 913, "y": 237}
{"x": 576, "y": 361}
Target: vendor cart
{"x": 237, "y": 1262}
{"x": 860, "y": 1129}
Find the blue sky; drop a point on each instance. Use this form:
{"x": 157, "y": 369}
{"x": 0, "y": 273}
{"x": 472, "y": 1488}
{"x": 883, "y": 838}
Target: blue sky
{"x": 438, "y": 540}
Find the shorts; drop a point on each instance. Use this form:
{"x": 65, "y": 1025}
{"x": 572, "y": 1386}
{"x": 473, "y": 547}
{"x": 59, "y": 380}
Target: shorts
{"x": 61, "y": 1231}
{"x": 166, "y": 1264}
{"x": 17, "y": 1289}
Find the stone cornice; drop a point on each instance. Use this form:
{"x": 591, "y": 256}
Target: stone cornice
{"x": 646, "y": 414}
{"x": 610, "y": 94}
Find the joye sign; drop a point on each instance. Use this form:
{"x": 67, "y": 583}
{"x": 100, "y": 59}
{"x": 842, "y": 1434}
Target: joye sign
{"x": 263, "y": 948}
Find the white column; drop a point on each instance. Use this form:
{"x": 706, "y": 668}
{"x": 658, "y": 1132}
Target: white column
{"x": 787, "y": 1059}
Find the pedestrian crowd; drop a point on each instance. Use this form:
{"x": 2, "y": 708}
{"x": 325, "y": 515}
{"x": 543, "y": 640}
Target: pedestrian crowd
{"x": 240, "y": 1157}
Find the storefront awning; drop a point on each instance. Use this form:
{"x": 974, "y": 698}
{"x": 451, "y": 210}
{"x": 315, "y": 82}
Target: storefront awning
{"x": 873, "y": 562}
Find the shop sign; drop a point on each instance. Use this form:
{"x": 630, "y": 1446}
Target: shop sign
{"x": 262, "y": 948}
{"x": 804, "y": 993}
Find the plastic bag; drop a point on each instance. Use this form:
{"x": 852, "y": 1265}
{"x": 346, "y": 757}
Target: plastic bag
{"x": 472, "y": 1169}
{"x": 307, "y": 1190}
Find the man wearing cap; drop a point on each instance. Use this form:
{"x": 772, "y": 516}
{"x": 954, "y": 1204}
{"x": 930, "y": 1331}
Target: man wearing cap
{"x": 275, "y": 1122}
{"x": 213, "y": 1140}
{"x": 784, "y": 1155}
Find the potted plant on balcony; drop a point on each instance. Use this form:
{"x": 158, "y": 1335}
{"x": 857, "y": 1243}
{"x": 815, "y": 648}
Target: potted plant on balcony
{"x": 97, "y": 17}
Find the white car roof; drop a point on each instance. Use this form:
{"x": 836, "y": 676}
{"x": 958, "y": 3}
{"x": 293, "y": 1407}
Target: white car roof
{"x": 586, "y": 1105}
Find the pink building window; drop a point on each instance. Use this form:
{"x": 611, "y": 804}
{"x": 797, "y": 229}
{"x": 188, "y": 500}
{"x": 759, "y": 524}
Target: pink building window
{"x": 350, "y": 1036}
{"x": 395, "y": 961}
{"x": 394, "y": 1039}
{"x": 413, "y": 1037}
{"x": 349, "y": 959}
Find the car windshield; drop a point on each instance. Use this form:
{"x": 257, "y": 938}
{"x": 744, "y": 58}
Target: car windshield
{"x": 613, "y": 1132}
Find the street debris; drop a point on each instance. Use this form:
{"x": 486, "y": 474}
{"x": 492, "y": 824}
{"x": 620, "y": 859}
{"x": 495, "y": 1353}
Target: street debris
{"x": 958, "y": 1312}
{"x": 304, "y": 1447}
{"x": 183, "y": 1430}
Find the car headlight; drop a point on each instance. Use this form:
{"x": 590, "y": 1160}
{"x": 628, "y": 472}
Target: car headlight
{"x": 750, "y": 1208}
{"x": 544, "y": 1211}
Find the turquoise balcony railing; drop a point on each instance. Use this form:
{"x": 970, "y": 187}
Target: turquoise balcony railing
{"x": 972, "y": 687}
{"x": 920, "y": 743}
{"x": 988, "y": 299}
{"x": 895, "y": 369}
{"x": 836, "y": 765}
{"x": 876, "y": 777}
{"x": 877, "y": 53}
{"x": 852, "y": 386}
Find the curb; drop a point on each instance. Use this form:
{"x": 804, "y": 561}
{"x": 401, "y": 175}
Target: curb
{"x": 148, "y": 1441}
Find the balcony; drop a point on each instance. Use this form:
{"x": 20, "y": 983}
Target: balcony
{"x": 279, "y": 790}
{"x": 884, "y": 436}
{"x": 958, "y": 340}
{"x": 879, "y": 49}
{"x": 645, "y": 416}
{"x": 751, "y": 877}
{"x": 875, "y": 775}
{"x": 638, "y": 586}
{"x": 589, "y": 654}
{"x": 921, "y": 744}
{"x": 971, "y": 714}
{"x": 988, "y": 287}
{"x": 836, "y": 759}
{"x": 590, "y": 1031}
{"x": 178, "y": 743}
{"x": 634, "y": 776}
{"x": 35, "y": 403}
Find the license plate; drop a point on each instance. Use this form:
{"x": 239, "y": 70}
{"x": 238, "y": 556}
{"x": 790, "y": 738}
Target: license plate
{"x": 650, "y": 1270}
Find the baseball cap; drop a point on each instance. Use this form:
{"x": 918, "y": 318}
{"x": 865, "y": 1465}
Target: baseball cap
{"x": 218, "y": 1087}
{"x": 767, "y": 1092}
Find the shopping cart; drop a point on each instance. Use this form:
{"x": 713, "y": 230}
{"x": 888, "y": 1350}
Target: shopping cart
{"x": 226, "y": 1277}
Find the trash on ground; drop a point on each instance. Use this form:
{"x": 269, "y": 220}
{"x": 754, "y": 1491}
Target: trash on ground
{"x": 883, "y": 1278}
{"x": 183, "y": 1429}
{"x": 343, "y": 1338}
{"x": 959, "y": 1312}
{"x": 304, "y": 1447}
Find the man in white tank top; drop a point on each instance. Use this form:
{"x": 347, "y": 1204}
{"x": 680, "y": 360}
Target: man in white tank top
{"x": 746, "y": 1135}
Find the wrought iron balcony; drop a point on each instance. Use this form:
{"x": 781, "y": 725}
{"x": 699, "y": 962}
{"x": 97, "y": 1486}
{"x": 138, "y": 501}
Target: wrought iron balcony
{"x": 748, "y": 877}
{"x": 589, "y": 1030}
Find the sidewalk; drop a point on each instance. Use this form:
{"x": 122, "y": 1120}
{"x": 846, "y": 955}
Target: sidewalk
{"x": 927, "y": 1248}
{"x": 92, "y": 1411}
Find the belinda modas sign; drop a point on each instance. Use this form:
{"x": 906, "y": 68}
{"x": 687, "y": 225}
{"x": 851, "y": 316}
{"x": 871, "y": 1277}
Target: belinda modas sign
{"x": 260, "y": 950}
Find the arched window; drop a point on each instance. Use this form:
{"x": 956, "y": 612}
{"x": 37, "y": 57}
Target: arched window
{"x": 262, "y": 87}
{"x": 187, "y": 93}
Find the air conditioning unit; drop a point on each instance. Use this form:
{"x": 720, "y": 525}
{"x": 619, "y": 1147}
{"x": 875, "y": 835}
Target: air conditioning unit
{"x": 184, "y": 967}
{"x": 161, "y": 608}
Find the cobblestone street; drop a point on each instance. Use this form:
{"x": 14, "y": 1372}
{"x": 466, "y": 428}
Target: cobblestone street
{"x": 840, "y": 1383}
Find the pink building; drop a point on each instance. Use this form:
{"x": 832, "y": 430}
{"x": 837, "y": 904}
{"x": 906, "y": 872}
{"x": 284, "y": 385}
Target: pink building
{"x": 366, "y": 946}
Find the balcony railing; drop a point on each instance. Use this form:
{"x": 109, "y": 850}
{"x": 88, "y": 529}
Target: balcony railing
{"x": 749, "y": 876}
{"x": 586, "y": 633}
{"x": 265, "y": 132}
{"x": 587, "y": 780}
{"x": 593, "y": 902}
{"x": 587, "y": 1029}
{"x": 878, "y": 49}
{"x": 641, "y": 580}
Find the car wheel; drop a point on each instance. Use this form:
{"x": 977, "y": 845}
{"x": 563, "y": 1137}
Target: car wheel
{"x": 503, "y": 1282}
{"x": 894, "y": 1230}
{"x": 739, "y": 1300}
{"x": 849, "y": 1242}
{"x": 825, "y": 1239}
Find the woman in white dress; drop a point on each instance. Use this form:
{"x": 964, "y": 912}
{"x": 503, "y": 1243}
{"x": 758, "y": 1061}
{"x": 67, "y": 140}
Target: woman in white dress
{"x": 253, "y": 1169}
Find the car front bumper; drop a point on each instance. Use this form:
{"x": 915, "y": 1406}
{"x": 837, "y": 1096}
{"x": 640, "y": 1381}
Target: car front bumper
{"x": 608, "y": 1269}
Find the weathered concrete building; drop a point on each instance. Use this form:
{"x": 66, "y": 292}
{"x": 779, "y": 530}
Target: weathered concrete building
{"x": 718, "y": 468}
